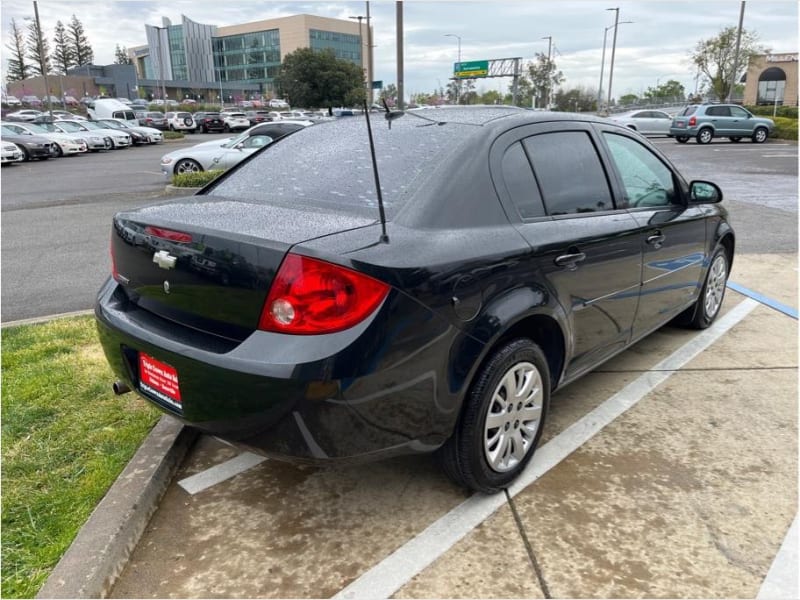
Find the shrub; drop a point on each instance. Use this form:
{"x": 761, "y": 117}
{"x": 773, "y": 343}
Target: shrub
{"x": 174, "y": 135}
{"x": 785, "y": 128}
{"x": 195, "y": 179}
{"x": 766, "y": 111}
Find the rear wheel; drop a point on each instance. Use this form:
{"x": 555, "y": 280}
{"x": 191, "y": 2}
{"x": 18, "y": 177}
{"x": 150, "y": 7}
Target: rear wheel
{"x": 760, "y": 135}
{"x": 502, "y": 419}
{"x": 682, "y": 139}
{"x": 187, "y": 165}
{"x": 59, "y": 152}
{"x": 704, "y": 136}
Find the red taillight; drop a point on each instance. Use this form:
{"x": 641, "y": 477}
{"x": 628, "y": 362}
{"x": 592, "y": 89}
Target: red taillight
{"x": 692, "y": 121}
{"x": 114, "y": 272}
{"x": 309, "y": 296}
{"x": 168, "y": 234}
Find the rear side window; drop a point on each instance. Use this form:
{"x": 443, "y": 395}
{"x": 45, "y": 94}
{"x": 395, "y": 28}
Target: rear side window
{"x": 718, "y": 111}
{"x": 520, "y": 183}
{"x": 570, "y": 173}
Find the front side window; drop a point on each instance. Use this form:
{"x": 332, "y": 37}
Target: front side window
{"x": 739, "y": 113}
{"x": 569, "y": 172}
{"x": 647, "y": 181}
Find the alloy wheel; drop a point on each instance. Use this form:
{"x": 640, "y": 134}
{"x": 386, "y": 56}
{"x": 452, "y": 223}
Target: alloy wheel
{"x": 715, "y": 286}
{"x": 187, "y": 166}
{"x": 513, "y": 417}
{"x": 760, "y": 135}
{"x": 704, "y": 137}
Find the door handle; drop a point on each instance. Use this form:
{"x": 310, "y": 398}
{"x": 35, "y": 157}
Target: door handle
{"x": 656, "y": 239}
{"x": 570, "y": 260}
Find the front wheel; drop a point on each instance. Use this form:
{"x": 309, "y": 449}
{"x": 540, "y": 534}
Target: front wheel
{"x": 704, "y": 136}
{"x": 759, "y": 136}
{"x": 703, "y": 312}
{"x": 682, "y": 139}
{"x": 502, "y": 419}
{"x": 187, "y": 165}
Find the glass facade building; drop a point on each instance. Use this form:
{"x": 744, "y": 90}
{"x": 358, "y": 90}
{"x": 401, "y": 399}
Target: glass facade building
{"x": 249, "y": 57}
{"x": 344, "y": 45}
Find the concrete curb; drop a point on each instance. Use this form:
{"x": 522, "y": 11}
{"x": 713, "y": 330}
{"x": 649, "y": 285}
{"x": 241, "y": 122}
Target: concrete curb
{"x": 103, "y": 546}
{"x": 186, "y": 191}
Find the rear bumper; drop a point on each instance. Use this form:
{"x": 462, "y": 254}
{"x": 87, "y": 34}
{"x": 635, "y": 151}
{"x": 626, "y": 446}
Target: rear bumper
{"x": 305, "y": 398}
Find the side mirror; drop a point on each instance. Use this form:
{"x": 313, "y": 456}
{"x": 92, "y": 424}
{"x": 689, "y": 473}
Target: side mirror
{"x": 704, "y": 192}
{"x": 239, "y": 146}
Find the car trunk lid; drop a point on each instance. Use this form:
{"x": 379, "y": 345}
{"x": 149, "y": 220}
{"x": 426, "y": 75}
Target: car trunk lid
{"x": 208, "y": 265}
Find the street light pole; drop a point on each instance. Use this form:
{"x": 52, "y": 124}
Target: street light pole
{"x": 458, "y": 81}
{"x": 361, "y": 49}
{"x": 43, "y": 58}
{"x": 613, "y": 51}
{"x": 370, "y": 64}
{"x": 549, "y": 39}
{"x": 603, "y": 64}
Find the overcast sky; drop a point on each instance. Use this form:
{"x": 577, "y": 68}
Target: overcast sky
{"x": 655, "y": 47}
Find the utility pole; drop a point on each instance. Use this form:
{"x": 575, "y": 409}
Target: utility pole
{"x": 549, "y": 39}
{"x": 361, "y": 51}
{"x": 613, "y": 51}
{"x": 736, "y": 54}
{"x": 370, "y": 61}
{"x": 458, "y": 81}
{"x": 400, "y": 97}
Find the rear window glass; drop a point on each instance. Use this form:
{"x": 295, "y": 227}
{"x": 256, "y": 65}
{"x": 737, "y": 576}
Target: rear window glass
{"x": 328, "y": 165}
{"x": 689, "y": 110}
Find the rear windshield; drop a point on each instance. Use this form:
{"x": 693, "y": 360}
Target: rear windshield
{"x": 328, "y": 165}
{"x": 689, "y": 110}
{"x": 155, "y": 115}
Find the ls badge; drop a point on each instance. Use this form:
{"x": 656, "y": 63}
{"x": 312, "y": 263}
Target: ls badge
{"x": 163, "y": 259}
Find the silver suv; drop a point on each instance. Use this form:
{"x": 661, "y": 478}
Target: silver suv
{"x": 704, "y": 122}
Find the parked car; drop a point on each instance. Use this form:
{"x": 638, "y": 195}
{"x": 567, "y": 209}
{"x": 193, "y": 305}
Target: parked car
{"x": 258, "y": 116}
{"x": 64, "y": 144}
{"x": 119, "y": 139}
{"x": 11, "y": 153}
{"x": 278, "y": 103}
{"x": 519, "y": 250}
{"x": 139, "y": 135}
{"x": 31, "y": 100}
{"x": 180, "y": 121}
{"x": 704, "y": 122}
{"x": 646, "y": 122}
{"x": 224, "y": 154}
{"x": 139, "y": 103}
{"x": 235, "y": 121}
{"x": 32, "y": 146}
{"x": 95, "y": 140}
{"x": 154, "y": 119}
{"x": 71, "y": 101}
{"x": 209, "y": 121}
{"x": 26, "y": 114}
{"x": 11, "y": 101}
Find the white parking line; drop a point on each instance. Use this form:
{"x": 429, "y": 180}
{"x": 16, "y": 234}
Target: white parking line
{"x": 219, "y": 473}
{"x": 782, "y": 579}
{"x": 392, "y": 573}
{"x": 779, "y": 155}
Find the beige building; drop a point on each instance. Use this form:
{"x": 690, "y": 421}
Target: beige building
{"x": 772, "y": 77}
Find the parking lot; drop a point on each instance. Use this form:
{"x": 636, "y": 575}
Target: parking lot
{"x": 669, "y": 472}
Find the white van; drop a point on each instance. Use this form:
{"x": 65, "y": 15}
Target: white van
{"x": 111, "y": 108}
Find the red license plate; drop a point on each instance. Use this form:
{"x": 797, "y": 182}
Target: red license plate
{"x": 159, "y": 379}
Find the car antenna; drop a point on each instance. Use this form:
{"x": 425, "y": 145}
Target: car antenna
{"x": 391, "y": 115}
{"x": 384, "y": 237}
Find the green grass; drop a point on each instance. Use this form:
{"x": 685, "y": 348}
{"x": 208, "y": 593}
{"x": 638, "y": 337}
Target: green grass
{"x": 198, "y": 179}
{"x": 785, "y": 128}
{"x": 66, "y": 438}
{"x": 174, "y": 135}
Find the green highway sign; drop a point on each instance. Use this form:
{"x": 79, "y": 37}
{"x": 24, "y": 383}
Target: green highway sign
{"x": 468, "y": 70}
{"x": 377, "y": 85}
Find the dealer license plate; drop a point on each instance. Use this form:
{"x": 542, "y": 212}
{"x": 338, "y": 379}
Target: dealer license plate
{"x": 159, "y": 380}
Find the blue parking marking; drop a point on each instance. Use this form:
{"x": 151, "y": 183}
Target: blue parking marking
{"x": 787, "y": 310}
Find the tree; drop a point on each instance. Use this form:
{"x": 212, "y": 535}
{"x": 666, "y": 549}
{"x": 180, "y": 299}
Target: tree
{"x": 545, "y": 77}
{"x": 577, "y": 99}
{"x": 18, "y": 66}
{"x": 38, "y": 50}
{"x": 63, "y": 57}
{"x": 81, "y": 49}
{"x": 491, "y": 97}
{"x": 319, "y": 79}
{"x": 671, "y": 91}
{"x": 715, "y": 58}
{"x": 628, "y": 99}
{"x": 389, "y": 93}
{"x": 468, "y": 93}
{"x": 121, "y": 56}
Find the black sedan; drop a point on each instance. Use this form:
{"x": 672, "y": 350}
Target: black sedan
{"x": 291, "y": 309}
{"x": 32, "y": 146}
{"x": 209, "y": 121}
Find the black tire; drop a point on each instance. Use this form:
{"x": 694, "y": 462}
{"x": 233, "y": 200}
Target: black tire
{"x": 26, "y": 157}
{"x": 706, "y": 309}
{"x": 226, "y": 129}
{"x": 705, "y": 135}
{"x": 187, "y": 165}
{"x": 736, "y": 140}
{"x": 59, "y": 151}
{"x": 682, "y": 139}
{"x": 465, "y": 456}
{"x": 760, "y": 135}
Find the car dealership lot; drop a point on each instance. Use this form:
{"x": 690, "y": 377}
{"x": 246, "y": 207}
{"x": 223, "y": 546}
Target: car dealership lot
{"x": 688, "y": 493}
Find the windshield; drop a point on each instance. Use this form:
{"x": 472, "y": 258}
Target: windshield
{"x": 34, "y": 128}
{"x": 112, "y": 124}
{"x": 233, "y": 141}
{"x": 71, "y": 127}
{"x": 90, "y": 125}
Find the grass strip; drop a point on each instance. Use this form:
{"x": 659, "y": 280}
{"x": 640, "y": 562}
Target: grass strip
{"x": 65, "y": 439}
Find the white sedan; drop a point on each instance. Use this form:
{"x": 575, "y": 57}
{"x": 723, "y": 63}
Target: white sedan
{"x": 95, "y": 140}
{"x": 646, "y": 122}
{"x": 224, "y": 155}
{"x": 11, "y": 153}
{"x": 28, "y": 114}
{"x": 65, "y": 144}
{"x": 119, "y": 139}
{"x": 150, "y": 135}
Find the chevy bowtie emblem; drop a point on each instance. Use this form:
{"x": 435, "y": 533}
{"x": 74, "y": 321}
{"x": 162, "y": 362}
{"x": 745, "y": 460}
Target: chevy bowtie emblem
{"x": 163, "y": 259}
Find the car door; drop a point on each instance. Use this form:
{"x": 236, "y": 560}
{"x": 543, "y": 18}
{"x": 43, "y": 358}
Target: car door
{"x": 741, "y": 121}
{"x": 585, "y": 248}
{"x": 672, "y": 233}
{"x": 660, "y": 122}
{"x": 232, "y": 156}
{"x": 720, "y": 117}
